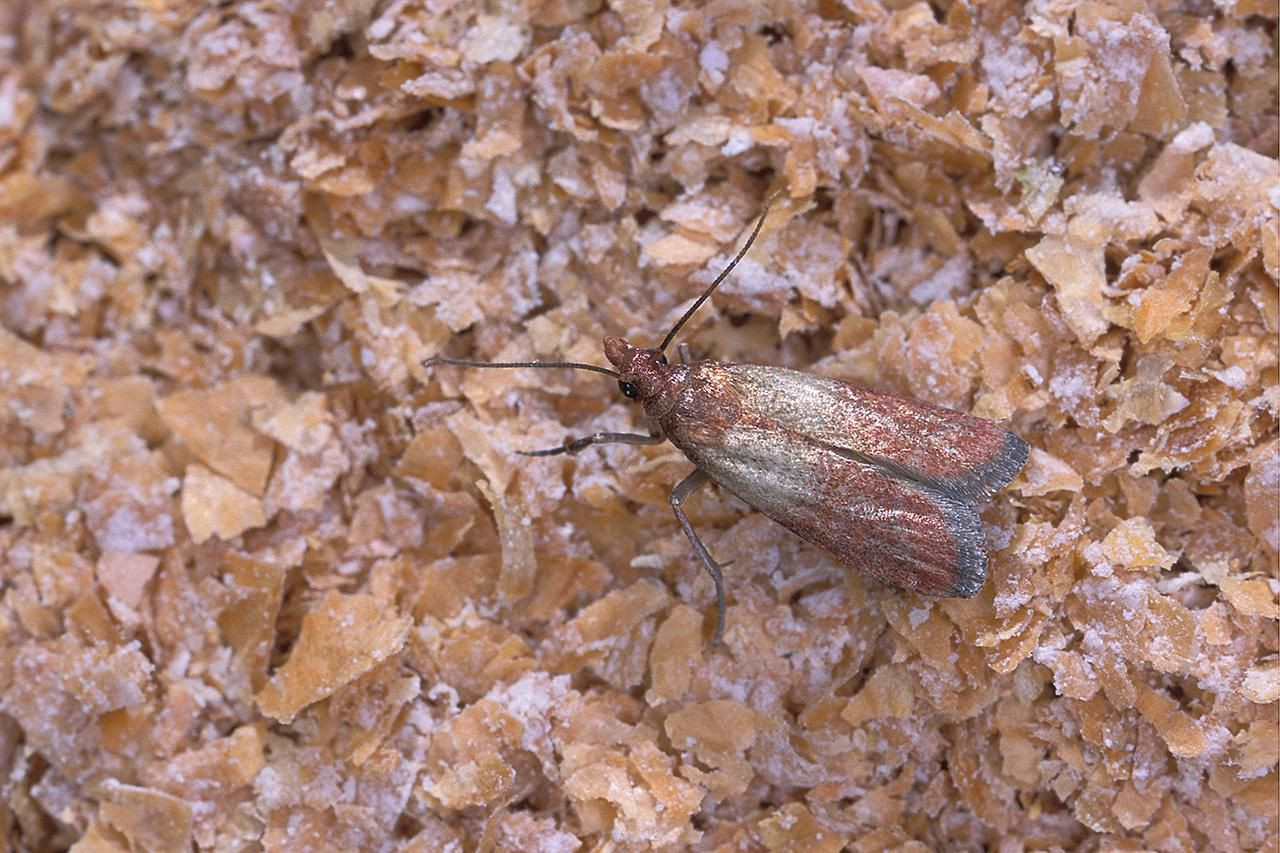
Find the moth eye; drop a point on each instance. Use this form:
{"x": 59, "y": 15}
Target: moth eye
{"x": 628, "y": 389}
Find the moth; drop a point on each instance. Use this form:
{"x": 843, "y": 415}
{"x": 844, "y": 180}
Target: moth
{"x": 886, "y": 485}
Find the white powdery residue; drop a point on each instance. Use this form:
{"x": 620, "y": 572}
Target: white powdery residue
{"x": 1009, "y": 66}
{"x": 665, "y": 93}
{"x": 1041, "y": 99}
{"x": 472, "y": 167}
{"x": 494, "y": 39}
{"x": 1233, "y": 377}
{"x": 1092, "y": 642}
{"x": 1248, "y": 49}
{"x": 554, "y": 840}
{"x": 1006, "y": 602}
{"x": 1126, "y": 65}
{"x": 814, "y": 268}
{"x": 1000, "y": 536}
{"x": 439, "y": 691}
{"x": 1192, "y": 138}
{"x": 9, "y": 101}
{"x": 714, "y": 62}
{"x": 1035, "y": 555}
{"x": 1221, "y": 675}
{"x": 408, "y": 204}
{"x": 1113, "y": 209}
{"x": 1170, "y": 585}
{"x": 177, "y": 666}
{"x": 502, "y": 199}
{"x": 920, "y": 615}
{"x": 520, "y": 277}
{"x": 740, "y": 140}
{"x": 1159, "y": 646}
{"x": 381, "y": 28}
{"x": 588, "y": 481}
{"x": 1045, "y": 655}
{"x": 802, "y": 127}
{"x": 950, "y": 279}
{"x": 935, "y": 683}
{"x": 1189, "y": 781}
{"x": 531, "y": 700}
{"x": 126, "y": 530}
{"x": 1134, "y": 597}
{"x": 1098, "y": 567}
{"x": 1072, "y": 384}
{"x": 273, "y": 792}
{"x": 750, "y": 278}
{"x": 725, "y": 688}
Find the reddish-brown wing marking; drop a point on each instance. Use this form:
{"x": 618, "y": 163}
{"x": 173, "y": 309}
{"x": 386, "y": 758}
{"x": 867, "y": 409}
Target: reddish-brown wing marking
{"x": 885, "y": 485}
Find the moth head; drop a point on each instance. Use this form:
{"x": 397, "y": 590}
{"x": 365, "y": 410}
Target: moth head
{"x": 640, "y": 371}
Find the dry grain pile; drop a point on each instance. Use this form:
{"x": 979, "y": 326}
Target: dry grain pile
{"x": 266, "y": 581}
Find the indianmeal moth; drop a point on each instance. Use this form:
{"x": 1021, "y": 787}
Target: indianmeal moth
{"x": 886, "y": 485}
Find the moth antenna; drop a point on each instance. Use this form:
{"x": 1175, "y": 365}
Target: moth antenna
{"x": 467, "y": 362}
{"x": 706, "y": 294}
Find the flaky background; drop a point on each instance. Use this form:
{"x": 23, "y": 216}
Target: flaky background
{"x": 268, "y": 583}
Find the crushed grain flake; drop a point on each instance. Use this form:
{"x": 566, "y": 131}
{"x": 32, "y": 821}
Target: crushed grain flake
{"x": 340, "y": 640}
{"x": 215, "y": 426}
{"x": 215, "y": 506}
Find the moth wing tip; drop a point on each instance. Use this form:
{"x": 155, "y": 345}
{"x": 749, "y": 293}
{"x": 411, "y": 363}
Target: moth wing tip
{"x": 969, "y": 581}
{"x": 1015, "y": 452}
{"x": 996, "y": 473}
{"x": 971, "y": 553}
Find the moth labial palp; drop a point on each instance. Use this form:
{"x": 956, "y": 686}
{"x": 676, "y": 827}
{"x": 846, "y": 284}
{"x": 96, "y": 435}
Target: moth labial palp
{"x": 885, "y": 484}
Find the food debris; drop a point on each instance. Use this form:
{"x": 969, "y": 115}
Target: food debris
{"x": 265, "y": 582}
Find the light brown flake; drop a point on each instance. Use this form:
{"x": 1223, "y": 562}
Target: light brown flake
{"x": 1184, "y": 736}
{"x": 1251, "y": 596}
{"x": 215, "y": 426}
{"x": 215, "y": 506}
{"x": 302, "y": 425}
{"x": 1073, "y": 265}
{"x": 149, "y": 819}
{"x": 888, "y": 693}
{"x": 1261, "y": 683}
{"x": 1045, "y": 474}
{"x": 124, "y": 576}
{"x": 676, "y": 654}
{"x": 342, "y": 638}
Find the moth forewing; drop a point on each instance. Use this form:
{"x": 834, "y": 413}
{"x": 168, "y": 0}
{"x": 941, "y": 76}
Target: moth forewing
{"x": 846, "y": 469}
{"x": 965, "y": 456}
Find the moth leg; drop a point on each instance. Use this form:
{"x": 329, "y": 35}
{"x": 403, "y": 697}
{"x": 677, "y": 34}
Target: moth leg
{"x": 573, "y": 445}
{"x": 682, "y": 491}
